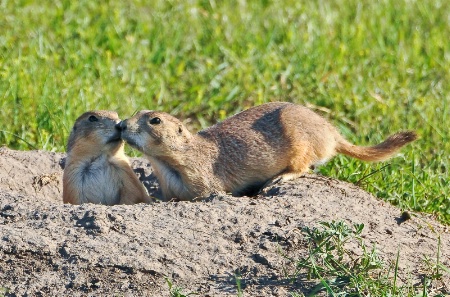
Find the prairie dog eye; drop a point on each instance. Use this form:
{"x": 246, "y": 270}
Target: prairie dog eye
{"x": 93, "y": 119}
{"x": 155, "y": 121}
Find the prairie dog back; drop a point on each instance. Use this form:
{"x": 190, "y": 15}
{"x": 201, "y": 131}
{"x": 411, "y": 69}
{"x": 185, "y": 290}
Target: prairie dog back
{"x": 97, "y": 170}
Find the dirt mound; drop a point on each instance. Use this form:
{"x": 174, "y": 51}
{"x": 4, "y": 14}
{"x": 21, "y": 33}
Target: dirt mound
{"x": 48, "y": 248}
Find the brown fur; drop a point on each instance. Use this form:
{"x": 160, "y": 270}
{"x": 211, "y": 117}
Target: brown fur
{"x": 239, "y": 155}
{"x": 97, "y": 170}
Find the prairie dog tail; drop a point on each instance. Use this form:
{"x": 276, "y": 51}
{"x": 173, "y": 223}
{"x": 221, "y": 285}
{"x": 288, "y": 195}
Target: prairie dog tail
{"x": 379, "y": 152}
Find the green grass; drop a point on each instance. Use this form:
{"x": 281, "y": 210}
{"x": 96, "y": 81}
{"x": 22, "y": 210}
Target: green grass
{"x": 371, "y": 67}
{"x": 175, "y": 291}
{"x": 339, "y": 271}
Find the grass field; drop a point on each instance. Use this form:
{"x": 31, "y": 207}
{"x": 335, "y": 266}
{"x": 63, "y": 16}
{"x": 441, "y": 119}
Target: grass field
{"x": 371, "y": 67}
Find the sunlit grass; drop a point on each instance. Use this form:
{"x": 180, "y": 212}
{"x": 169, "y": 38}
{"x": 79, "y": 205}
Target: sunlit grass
{"x": 371, "y": 67}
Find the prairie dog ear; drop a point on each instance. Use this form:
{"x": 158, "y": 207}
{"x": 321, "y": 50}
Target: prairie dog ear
{"x": 183, "y": 131}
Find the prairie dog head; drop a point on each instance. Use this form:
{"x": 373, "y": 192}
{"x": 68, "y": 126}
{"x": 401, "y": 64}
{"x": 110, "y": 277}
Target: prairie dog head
{"x": 95, "y": 132}
{"x": 155, "y": 133}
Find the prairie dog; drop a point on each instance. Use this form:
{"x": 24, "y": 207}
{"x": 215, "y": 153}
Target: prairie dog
{"x": 270, "y": 142}
{"x": 97, "y": 170}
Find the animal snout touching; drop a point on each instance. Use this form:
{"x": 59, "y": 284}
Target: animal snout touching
{"x": 121, "y": 126}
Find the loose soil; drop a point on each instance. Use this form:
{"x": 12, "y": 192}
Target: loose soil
{"x": 51, "y": 249}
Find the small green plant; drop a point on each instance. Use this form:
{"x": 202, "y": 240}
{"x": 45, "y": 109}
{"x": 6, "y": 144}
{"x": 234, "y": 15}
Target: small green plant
{"x": 435, "y": 267}
{"x": 328, "y": 256}
{"x": 341, "y": 271}
{"x": 3, "y": 291}
{"x": 175, "y": 291}
{"x": 240, "y": 293}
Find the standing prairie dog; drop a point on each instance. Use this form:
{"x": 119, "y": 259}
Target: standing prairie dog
{"x": 97, "y": 170}
{"x": 244, "y": 152}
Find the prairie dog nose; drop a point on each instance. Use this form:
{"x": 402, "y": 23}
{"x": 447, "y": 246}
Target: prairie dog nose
{"x": 121, "y": 126}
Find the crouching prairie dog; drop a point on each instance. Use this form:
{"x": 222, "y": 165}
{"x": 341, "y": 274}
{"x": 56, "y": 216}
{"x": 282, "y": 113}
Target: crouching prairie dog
{"x": 96, "y": 169}
{"x": 270, "y": 142}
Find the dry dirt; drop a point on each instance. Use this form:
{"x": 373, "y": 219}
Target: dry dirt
{"x": 51, "y": 249}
